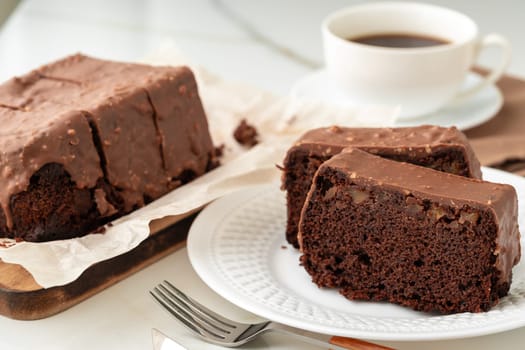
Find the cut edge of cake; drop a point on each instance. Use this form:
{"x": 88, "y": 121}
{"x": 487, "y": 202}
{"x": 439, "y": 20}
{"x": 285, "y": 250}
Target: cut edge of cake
{"x": 427, "y": 197}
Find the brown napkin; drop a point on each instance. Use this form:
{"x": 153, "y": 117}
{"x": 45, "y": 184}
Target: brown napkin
{"x": 500, "y": 142}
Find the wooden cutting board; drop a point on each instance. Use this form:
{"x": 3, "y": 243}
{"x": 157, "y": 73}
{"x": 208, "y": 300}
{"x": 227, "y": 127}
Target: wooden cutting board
{"x": 22, "y": 298}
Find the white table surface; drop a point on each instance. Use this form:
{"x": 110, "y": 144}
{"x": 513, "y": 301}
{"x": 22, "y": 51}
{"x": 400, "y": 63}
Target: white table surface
{"x": 269, "y": 44}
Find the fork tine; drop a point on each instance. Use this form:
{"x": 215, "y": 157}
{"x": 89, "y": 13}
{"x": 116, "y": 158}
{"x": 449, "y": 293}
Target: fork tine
{"x": 201, "y": 309}
{"x": 171, "y": 310}
{"x": 196, "y": 313}
{"x": 183, "y": 316}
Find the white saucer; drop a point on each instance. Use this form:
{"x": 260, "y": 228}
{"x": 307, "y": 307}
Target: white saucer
{"x": 464, "y": 115}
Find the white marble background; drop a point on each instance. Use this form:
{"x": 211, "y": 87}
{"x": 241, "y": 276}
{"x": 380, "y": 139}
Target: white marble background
{"x": 269, "y": 44}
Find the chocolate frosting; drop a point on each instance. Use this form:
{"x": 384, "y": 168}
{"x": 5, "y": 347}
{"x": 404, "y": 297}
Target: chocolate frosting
{"x": 177, "y": 115}
{"x": 445, "y": 189}
{"x": 414, "y": 141}
{"x": 188, "y": 127}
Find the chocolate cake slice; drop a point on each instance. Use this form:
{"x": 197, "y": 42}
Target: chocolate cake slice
{"x": 87, "y": 140}
{"x": 443, "y": 149}
{"x": 391, "y": 231}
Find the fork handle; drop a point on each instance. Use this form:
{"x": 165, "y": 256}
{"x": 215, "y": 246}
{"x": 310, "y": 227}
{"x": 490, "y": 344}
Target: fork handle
{"x": 356, "y": 344}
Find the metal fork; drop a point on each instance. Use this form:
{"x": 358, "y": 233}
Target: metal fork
{"x": 220, "y": 330}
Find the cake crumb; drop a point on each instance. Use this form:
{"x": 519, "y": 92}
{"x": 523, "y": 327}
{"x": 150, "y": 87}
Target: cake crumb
{"x": 335, "y": 129}
{"x": 246, "y": 134}
{"x": 284, "y": 247}
{"x": 219, "y": 150}
{"x": 100, "y": 229}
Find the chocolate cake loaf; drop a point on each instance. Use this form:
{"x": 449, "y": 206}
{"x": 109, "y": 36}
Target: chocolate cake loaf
{"x": 444, "y": 149}
{"x": 85, "y": 141}
{"x": 391, "y": 231}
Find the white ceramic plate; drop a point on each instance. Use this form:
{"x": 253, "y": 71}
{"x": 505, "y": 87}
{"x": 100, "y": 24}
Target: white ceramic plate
{"x": 237, "y": 247}
{"x": 467, "y": 114}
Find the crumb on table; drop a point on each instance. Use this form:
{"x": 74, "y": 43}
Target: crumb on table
{"x": 246, "y": 134}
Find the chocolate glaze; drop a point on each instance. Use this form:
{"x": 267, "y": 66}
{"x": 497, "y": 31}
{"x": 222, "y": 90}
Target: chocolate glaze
{"x": 177, "y": 113}
{"x": 128, "y": 141}
{"x": 415, "y": 142}
{"x": 183, "y": 135}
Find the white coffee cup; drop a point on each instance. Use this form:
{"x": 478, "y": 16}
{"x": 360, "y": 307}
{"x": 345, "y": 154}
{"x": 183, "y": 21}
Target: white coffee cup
{"x": 419, "y": 80}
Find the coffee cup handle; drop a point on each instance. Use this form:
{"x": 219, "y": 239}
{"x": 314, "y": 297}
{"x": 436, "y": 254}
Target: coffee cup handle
{"x": 495, "y": 40}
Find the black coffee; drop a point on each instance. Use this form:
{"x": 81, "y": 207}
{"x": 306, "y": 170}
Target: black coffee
{"x": 399, "y": 40}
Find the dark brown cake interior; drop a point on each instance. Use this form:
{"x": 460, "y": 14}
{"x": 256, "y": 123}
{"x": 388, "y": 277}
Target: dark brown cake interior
{"x": 365, "y": 230}
{"x": 54, "y": 207}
